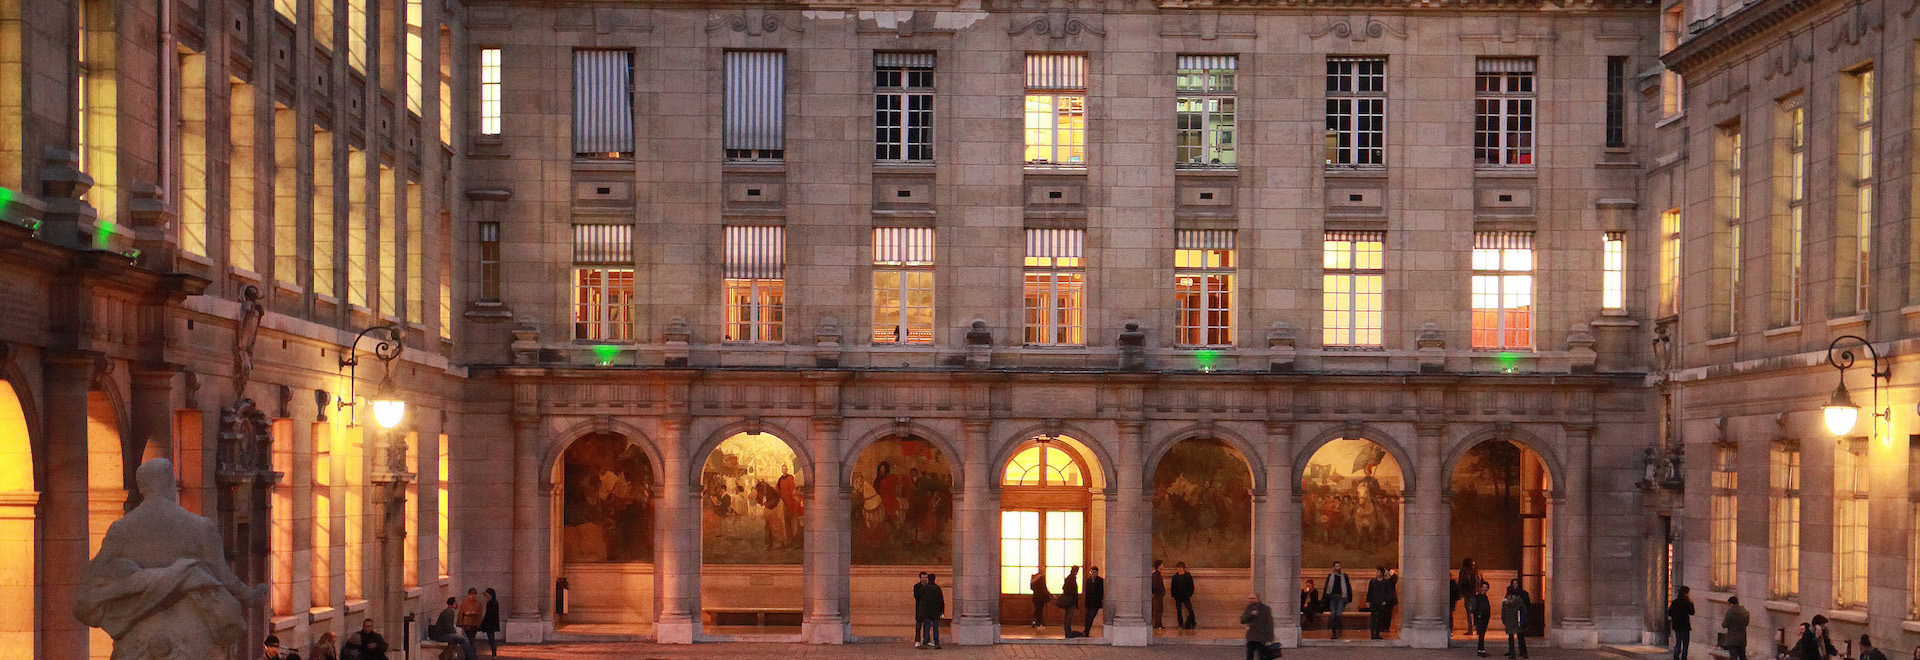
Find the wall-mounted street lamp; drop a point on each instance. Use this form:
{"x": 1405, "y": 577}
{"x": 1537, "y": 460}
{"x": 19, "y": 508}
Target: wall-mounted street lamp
{"x": 1841, "y": 413}
{"x": 388, "y": 408}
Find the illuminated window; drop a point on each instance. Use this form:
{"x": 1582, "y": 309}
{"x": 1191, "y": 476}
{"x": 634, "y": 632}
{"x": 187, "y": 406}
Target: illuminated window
{"x": 1783, "y": 533}
{"x": 288, "y": 9}
{"x": 194, "y": 179}
{"x": 1056, "y": 109}
{"x": 755, "y": 288}
{"x": 1043, "y": 465}
{"x": 286, "y": 191}
{"x": 323, "y": 214}
{"x": 756, "y": 126}
{"x": 490, "y": 91}
{"x": 321, "y": 581}
{"x": 444, "y": 239}
{"x": 356, "y": 227}
{"x": 1731, "y": 182}
{"x": 1613, "y": 270}
{"x": 97, "y": 110}
{"x": 416, "y": 255}
{"x": 603, "y": 282}
{"x": 602, "y": 103}
{"x": 1850, "y": 523}
{"x": 1503, "y": 112}
{"x": 1725, "y": 518}
{"x": 1035, "y": 532}
{"x": 410, "y": 547}
{"x": 389, "y": 241}
{"x": 1203, "y": 274}
{"x": 1055, "y": 291}
{"x": 1356, "y": 112}
{"x": 445, "y": 520}
{"x": 1859, "y": 144}
{"x": 241, "y": 203}
{"x": 323, "y": 23}
{"x": 357, "y": 34}
{"x": 1204, "y": 111}
{"x": 282, "y": 518}
{"x": 1669, "y": 262}
{"x": 490, "y": 261}
{"x": 903, "y": 106}
{"x": 446, "y": 86}
{"x": 1503, "y": 290}
{"x": 1352, "y": 288}
{"x": 1790, "y": 230}
{"x": 416, "y": 55}
{"x": 1672, "y": 30}
{"x": 903, "y": 285}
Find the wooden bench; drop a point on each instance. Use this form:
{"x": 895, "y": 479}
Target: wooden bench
{"x": 751, "y": 616}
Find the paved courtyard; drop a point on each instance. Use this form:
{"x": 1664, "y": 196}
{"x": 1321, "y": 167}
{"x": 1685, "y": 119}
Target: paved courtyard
{"x": 879, "y": 651}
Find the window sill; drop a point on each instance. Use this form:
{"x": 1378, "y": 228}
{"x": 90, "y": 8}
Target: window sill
{"x": 1356, "y": 170}
{"x": 248, "y": 276}
{"x": 357, "y": 606}
{"x": 1617, "y": 312}
{"x": 1223, "y": 170}
{"x": 1786, "y": 607}
{"x": 903, "y": 165}
{"x": 1910, "y": 626}
{"x": 1852, "y": 614}
{"x": 319, "y": 614}
{"x": 1720, "y": 596}
{"x": 195, "y": 259}
{"x": 1782, "y": 331}
{"x": 1723, "y": 341}
{"x": 281, "y": 623}
{"x": 1044, "y": 168}
{"x": 1505, "y": 171}
{"x": 1670, "y": 119}
{"x": 1847, "y": 321}
{"x": 754, "y": 165}
{"x": 1056, "y": 347}
{"x": 290, "y": 288}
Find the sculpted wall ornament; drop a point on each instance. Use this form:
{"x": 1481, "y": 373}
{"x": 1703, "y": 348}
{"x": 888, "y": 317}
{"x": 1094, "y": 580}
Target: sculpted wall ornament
{"x": 1056, "y": 25}
{"x": 753, "y": 21}
{"x": 1359, "y": 28}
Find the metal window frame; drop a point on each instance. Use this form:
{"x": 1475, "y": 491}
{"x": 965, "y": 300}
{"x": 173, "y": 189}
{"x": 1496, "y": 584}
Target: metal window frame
{"x": 1504, "y": 241}
{"x": 1352, "y": 273}
{"x": 611, "y": 320}
{"x": 904, "y": 250}
{"x": 1510, "y": 107}
{"x": 1206, "y": 241}
{"x": 1210, "y": 141}
{"x": 1349, "y": 107}
{"x": 896, "y": 103}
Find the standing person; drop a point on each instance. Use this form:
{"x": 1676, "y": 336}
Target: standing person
{"x": 1096, "y": 593}
{"x": 930, "y": 603}
{"x": 1867, "y": 650}
{"x": 1159, "y": 597}
{"x": 1259, "y": 621}
{"x": 1309, "y": 603}
{"x": 1825, "y": 646}
{"x": 1514, "y": 611}
{"x": 1069, "y": 598}
{"x": 1041, "y": 596}
{"x": 1464, "y": 585}
{"x": 1479, "y": 612}
{"x": 919, "y": 609}
{"x": 1680, "y": 621}
{"x": 1735, "y": 625}
{"x": 490, "y": 621}
{"x": 445, "y": 631}
{"x": 470, "y": 610}
{"x": 1339, "y": 593}
{"x": 1379, "y": 598}
{"x": 364, "y": 644}
{"x": 1183, "y": 597}
{"x": 270, "y": 649}
{"x": 326, "y": 648}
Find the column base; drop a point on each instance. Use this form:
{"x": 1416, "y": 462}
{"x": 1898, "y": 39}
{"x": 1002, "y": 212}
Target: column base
{"x": 1288, "y": 637}
{"x": 970, "y": 631}
{"x": 678, "y": 630}
{"x": 824, "y": 630}
{"x": 1129, "y": 634}
{"x": 1576, "y": 635}
{"x": 1425, "y": 637}
{"x": 527, "y": 631}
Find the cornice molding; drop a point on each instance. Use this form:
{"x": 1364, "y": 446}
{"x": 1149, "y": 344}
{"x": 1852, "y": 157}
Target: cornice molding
{"x": 1734, "y": 32}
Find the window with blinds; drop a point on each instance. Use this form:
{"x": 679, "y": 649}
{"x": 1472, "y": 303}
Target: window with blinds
{"x": 1055, "y": 290}
{"x": 1503, "y": 112}
{"x": 1204, "y": 111}
{"x": 903, "y": 106}
{"x": 1352, "y": 288}
{"x": 1056, "y": 110}
{"x": 902, "y": 285}
{"x": 755, "y": 290}
{"x": 1356, "y": 112}
{"x": 602, "y": 103}
{"x": 755, "y": 126}
{"x": 603, "y": 281}
{"x": 1503, "y": 290}
{"x": 1203, "y": 278}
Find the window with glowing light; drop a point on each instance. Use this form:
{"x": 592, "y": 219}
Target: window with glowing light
{"x": 1503, "y": 290}
{"x": 1613, "y": 270}
{"x": 1850, "y": 523}
{"x": 756, "y": 285}
{"x": 1203, "y": 276}
{"x": 1783, "y": 521}
{"x": 603, "y": 282}
{"x": 903, "y": 285}
{"x": 1724, "y": 509}
{"x": 1055, "y": 287}
{"x": 1039, "y": 529}
{"x": 1056, "y": 110}
{"x": 1352, "y": 288}
{"x": 1204, "y": 111}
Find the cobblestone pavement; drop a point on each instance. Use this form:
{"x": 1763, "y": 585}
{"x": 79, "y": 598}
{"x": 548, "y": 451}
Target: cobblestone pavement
{"x": 902, "y": 651}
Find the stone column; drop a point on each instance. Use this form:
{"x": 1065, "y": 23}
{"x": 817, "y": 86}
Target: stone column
{"x": 64, "y": 548}
{"x": 1426, "y": 550}
{"x": 676, "y": 542}
{"x": 977, "y": 590}
{"x": 153, "y": 411}
{"x": 1572, "y": 559}
{"x": 526, "y": 621}
{"x": 1276, "y": 536}
{"x": 828, "y": 541}
{"x": 1129, "y": 545}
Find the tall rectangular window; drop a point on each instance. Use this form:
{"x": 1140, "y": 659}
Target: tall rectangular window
{"x": 1857, "y": 142}
{"x": 1613, "y": 270}
{"x": 1503, "y": 112}
{"x": 603, "y": 282}
{"x": 323, "y": 214}
{"x": 1056, "y": 110}
{"x": 756, "y": 105}
{"x": 489, "y": 261}
{"x": 356, "y": 227}
{"x": 602, "y": 103}
{"x": 1730, "y": 181}
{"x": 1789, "y": 232}
{"x": 281, "y": 540}
{"x": 286, "y": 191}
{"x": 410, "y": 542}
{"x": 444, "y": 243}
{"x": 1725, "y": 517}
{"x": 1204, "y": 111}
{"x": 1055, "y": 290}
{"x": 1503, "y": 290}
{"x": 1617, "y": 102}
{"x": 1356, "y": 112}
{"x": 490, "y": 90}
{"x": 1203, "y": 275}
{"x": 416, "y": 56}
{"x": 1850, "y": 523}
{"x": 445, "y": 533}
{"x": 353, "y": 518}
{"x": 323, "y": 24}
{"x": 756, "y": 285}
{"x": 903, "y": 106}
{"x": 388, "y": 243}
{"x": 321, "y": 571}
{"x": 357, "y": 34}
{"x": 1672, "y": 30}
{"x": 1353, "y": 265}
{"x": 1783, "y": 521}
{"x": 241, "y": 175}
{"x": 903, "y": 285}
{"x": 1669, "y": 262}
{"x": 288, "y": 9}
{"x": 416, "y": 265}
{"x": 97, "y": 111}
{"x": 193, "y": 153}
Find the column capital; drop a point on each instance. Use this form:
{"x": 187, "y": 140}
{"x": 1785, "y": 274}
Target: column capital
{"x": 972, "y": 425}
{"x": 1427, "y": 429}
{"x": 1580, "y": 428}
{"x": 1279, "y": 427}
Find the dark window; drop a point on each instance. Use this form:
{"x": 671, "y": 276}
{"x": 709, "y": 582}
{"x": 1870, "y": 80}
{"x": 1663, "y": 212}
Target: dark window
{"x": 1617, "y": 101}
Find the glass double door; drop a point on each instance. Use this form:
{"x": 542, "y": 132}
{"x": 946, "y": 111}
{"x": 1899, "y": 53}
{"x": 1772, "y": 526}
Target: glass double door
{"x": 1029, "y": 542}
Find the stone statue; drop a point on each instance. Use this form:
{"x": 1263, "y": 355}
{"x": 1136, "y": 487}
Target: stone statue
{"x": 160, "y": 585}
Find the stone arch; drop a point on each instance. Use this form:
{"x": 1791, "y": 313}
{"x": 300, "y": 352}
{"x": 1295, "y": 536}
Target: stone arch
{"x": 560, "y": 440}
{"x": 1450, "y": 461}
{"x": 1355, "y": 431}
{"x": 1079, "y": 438}
{"x": 955, "y": 462}
{"x": 22, "y": 392}
{"x": 19, "y": 497}
{"x": 697, "y": 460}
{"x": 1248, "y": 453}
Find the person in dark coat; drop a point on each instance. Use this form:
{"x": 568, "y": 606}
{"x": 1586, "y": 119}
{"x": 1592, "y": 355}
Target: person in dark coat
{"x": 1310, "y": 603}
{"x": 919, "y": 606}
{"x": 1514, "y": 610}
{"x": 1096, "y": 596}
{"x": 1464, "y": 585}
{"x": 364, "y": 644}
{"x": 1479, "y": 612}
{"x": 1258, "y": 619}
{"x": 270, "y": 650}
{"x": 490, "y": 621}
{"x": 445, "y": 630}
{"x": 1868, "y": 651}
{"x": 929, "y": 604}
{"x": 1380, "y": 599}
{"x": 1339, "y": 593}
{"x": 1159, "y": 596}
{"x": 1735, "y": 624}
{"x": 1183, "y": 596}
{"x": 1814, "y": 644}
{"x": 1680, "y": 621}
{"x": 1041, "y": 596}
{"x": 1070, "y": 599}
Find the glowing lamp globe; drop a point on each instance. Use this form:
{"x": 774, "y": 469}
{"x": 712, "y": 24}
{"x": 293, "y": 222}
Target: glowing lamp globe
{"x": 1840, "y": 412}
{"x": 388, "y": 412}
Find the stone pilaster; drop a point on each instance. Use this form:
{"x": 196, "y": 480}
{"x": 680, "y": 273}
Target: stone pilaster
{"x": 1424, "y": 575}
{"x": 829, "y": 543}
{"x": 1572, "y": 561}
{"x": 677, "y": 574}
{"x": 1276, "y": 536}
{"x": 977, "y": 593}
{"x": 527, "y": 615}
{"x": 153, "y": 411}
{"x": 1129, "y": 545}
{"x": 63, "y": 513}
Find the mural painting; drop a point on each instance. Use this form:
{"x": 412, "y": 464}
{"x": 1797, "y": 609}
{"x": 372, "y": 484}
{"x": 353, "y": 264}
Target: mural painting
{"x": 1486, "y": 505}
{"x": 607, "y": 513}
{"x": 1350, "y": 507}
{"x": 1203, "y": 506}
{"x": 751, "y": 508}
{"x": 902, "y": 504}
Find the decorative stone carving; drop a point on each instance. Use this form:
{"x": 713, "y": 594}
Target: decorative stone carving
{"x": 244, "y": 336}
{"x": 160, "y": 586}
{"x": 979, "y": 345}
{"x": 826, "y": 343}
{"x": 678, "y": 346}
{"x": 1580, "y": 353}
{"x": 1280, "y": 350}
{"x": 1133, "y": 348}
{"x": 754, "y": 21}
{"x": 1055, "y": 24}
{"x": 1359, "y": 29}
{"x": 1432, "y": 349}
{"x": 526, "y": 342}
{"x": 191, "y": 387}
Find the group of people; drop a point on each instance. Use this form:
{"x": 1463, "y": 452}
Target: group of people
{"x": 929, "y": 605}
{"x": 363, "y": 644}
{"x": 1383, "y": 595}
{"x": 1812, "y": 644}
{"x": 1069, "y": 599}
{"x": 1182, "y": 597}
{"x": 458, "y": 625}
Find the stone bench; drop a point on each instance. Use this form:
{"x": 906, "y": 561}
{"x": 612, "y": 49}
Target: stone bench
{"x": 751, "y": 616}
{"x": 432, "y": 650}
